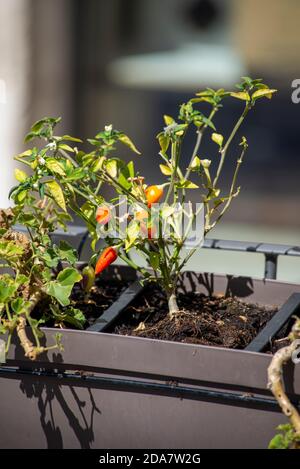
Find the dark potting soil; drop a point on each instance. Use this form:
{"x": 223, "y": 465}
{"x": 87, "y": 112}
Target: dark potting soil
{"x": 101, "y": 297}
{"x": 93, "y": 305}
{"x": 218, "y": 321}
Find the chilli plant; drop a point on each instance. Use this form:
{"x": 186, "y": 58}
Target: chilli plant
{"x": 158, "y": 221}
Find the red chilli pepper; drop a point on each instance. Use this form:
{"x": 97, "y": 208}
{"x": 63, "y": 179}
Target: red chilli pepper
{"x": 103, "y": 215}
{"x": 108, "y": 256}
{"x": 150, "y": 232}
{"x": 153, "y": 194}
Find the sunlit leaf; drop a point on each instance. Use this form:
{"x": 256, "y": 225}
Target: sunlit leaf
{"x": 56, "y": 192}
{"x": 165, "y": 169}
{"x": 241, "y": 95}
{"x": 267, "y": 93}
{"x": 55, "y": 166}
{"x": 168, "y": 120}
{"x": 128, "y": 142}
{"x": 20, "y": 175}
{"x": 217, "y": 138}
{"x": 112, "y": 168}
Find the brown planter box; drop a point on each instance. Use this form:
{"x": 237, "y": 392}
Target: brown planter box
{"x": 109, "y": 391}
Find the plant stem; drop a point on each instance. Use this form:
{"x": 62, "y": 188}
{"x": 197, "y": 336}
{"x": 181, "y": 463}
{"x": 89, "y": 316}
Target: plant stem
{"x": 172, "y": 304}
{"x": 132, "y": 264}
{"x": 231, "y": 193}
{"x": 227, "y": 144}
{"x": 200, "y": 134}
{"x": 174, "y": 158}
{"x": 68, "y": 157}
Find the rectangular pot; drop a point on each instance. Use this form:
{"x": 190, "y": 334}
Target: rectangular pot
{"x": 110, "y": 391}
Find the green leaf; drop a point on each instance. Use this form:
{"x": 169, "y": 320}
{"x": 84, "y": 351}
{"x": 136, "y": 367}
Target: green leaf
{"x": 66, "y": 252}
{"x": 75, "y": 317}
{"x": 20, "y": 175}
{"x": 10, "y": 251}
{"x": 71, "y": 139}
{"x": 97, "y": 165}
{"x": 261, "y": 93}
{"x": 69, "y": 276}
{"x": 19, "y": 305}
{"x": 128, "y": 142}
{"x": 6, "y": 291}
{"x": 30, "y": 136}
{"x": 59, "y": 292}
{"x": 55, "y": 166}
{"x": 61, "y": 288}
{"x": 70, "y": 315}
{"x": 184, "y": 184}
{"x": 50, "y": 257}
{"x": 241, "y": 95}
{"x": 208, "y": 122}
{"x": 130, "y": 167}
{"x": 154, "y": 259}
{"x": 217, "y": 138}
{"x": 57, "y": 194}
{"x": 165, "y": 169}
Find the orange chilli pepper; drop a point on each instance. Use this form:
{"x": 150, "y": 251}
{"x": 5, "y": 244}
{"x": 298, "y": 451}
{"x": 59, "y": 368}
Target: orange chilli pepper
{"x": 108, "y": 256}
{"x": 153, "y": 194}
{"x": 103, "y": 215}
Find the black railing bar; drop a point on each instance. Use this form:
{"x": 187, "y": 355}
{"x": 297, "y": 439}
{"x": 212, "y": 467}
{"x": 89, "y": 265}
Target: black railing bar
{"x": 249, "y": 246}
{"x": 146, "y": 386}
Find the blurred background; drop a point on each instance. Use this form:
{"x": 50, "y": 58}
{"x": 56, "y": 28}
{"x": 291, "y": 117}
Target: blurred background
{"x": 97, "y": 62}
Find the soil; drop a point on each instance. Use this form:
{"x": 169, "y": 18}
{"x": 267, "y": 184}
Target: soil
{"x": 101, "y": 296}
{"x": 218, "y": 321}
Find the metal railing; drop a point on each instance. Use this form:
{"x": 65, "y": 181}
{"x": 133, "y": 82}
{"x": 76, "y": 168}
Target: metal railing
{"x": 270, "y": 251}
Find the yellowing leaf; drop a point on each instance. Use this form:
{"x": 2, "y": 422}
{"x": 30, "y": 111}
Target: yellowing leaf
{"x": 164, "y": 141}
{"x": 56, "y": 192}
{"x": 64, "y": 146}
{"x": 165, "y": 169}
{"x": 168, "y": 120}
{"x": 25, "y": 153}
{"x": 128, "y": 142}
{"x": 241, "y": 95}
{"x": 206, "y": 163}
{"x": 98, "y": 164}
{"x": 20, "y": 175}
{"x": 55, "y": 166}
{"x": 133, "y": 232}
{"x": 264, "y": 92}
{"x": 112, "y": 168}
{"x": 196, "y": 163}
{"x": 217, "y": 138}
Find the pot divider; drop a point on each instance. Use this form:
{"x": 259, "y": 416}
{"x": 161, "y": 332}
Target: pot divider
{"x": 288, "y": 309}
{"x": 258, "y": 344}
